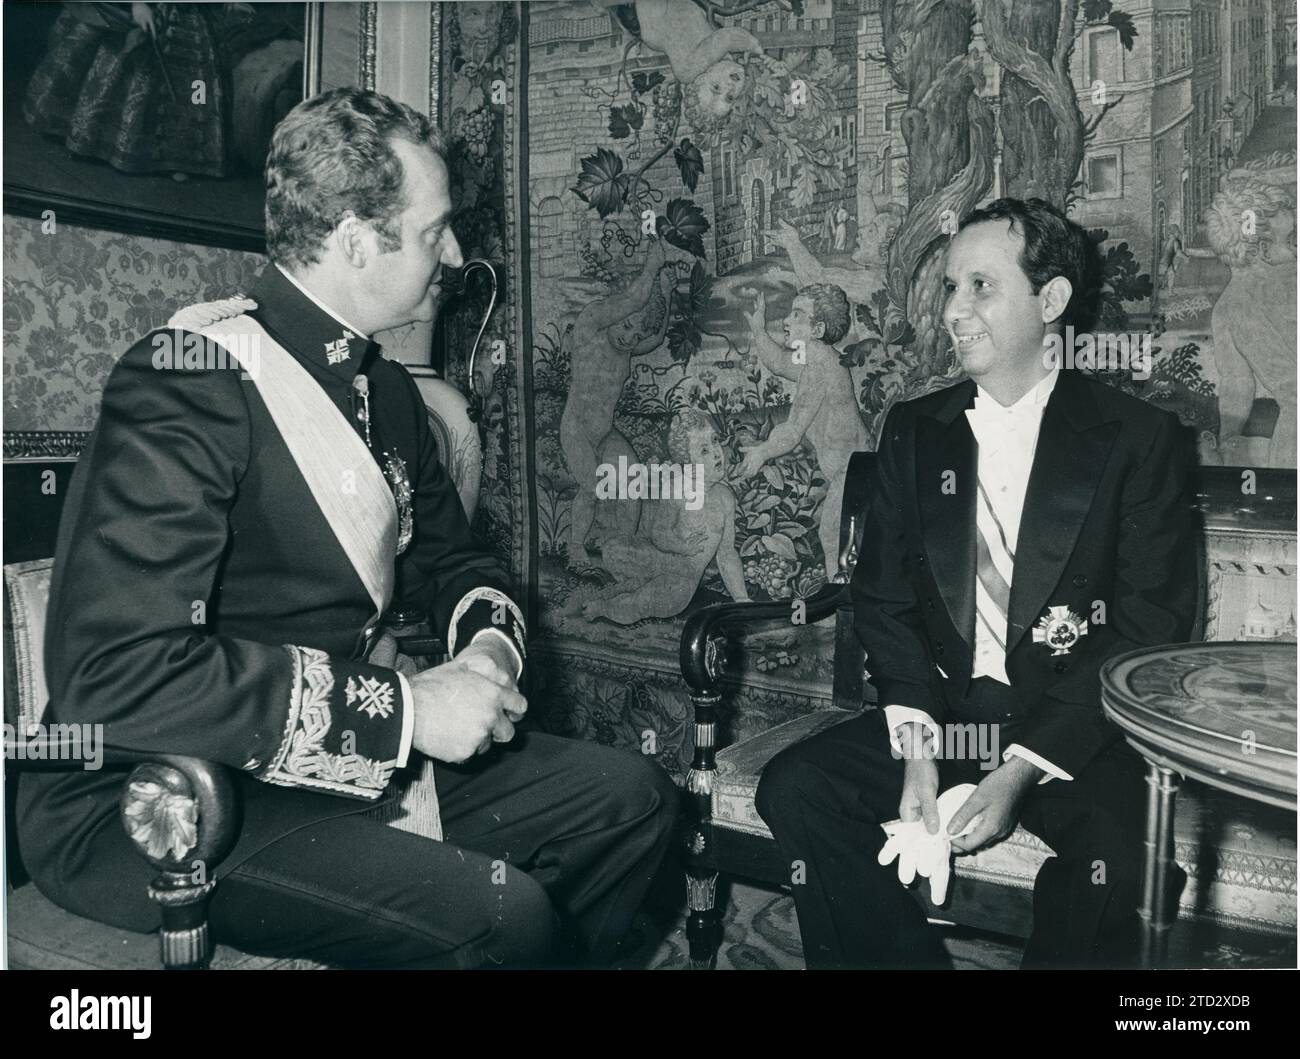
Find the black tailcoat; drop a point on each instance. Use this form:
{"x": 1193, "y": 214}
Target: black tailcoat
{"x": 201, "y": 604}
{"x": 1107, "y": 531}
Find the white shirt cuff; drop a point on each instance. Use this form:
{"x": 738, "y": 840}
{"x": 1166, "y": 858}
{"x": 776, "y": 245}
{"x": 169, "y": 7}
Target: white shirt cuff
{"x": 519, "y": 661}
{"x": 408, "y": 721}
{"x": 1051, "y": 771}
{"x": 897, "y": 716}
{"x": 495, "y": 597}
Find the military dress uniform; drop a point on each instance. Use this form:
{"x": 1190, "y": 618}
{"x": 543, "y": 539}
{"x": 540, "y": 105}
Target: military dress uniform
{"x": 202, "y": 604}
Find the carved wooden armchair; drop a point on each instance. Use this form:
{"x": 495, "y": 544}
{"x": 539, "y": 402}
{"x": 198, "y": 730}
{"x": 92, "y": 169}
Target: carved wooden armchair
{"x": 1240, "y": 857}
{"x": 202, "y": 821}
{"x": 727, "y": 834}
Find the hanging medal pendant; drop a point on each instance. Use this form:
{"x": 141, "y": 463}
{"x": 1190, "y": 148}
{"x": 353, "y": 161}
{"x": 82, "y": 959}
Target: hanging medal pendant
{"x": 399, "y": 481}
{"x": 362, "y": 385}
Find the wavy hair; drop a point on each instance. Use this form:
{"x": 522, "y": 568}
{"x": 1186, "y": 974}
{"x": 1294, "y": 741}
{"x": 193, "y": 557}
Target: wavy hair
{"x": 1245, "y": 197}
{"x": 830, "y": 309}
{"x": 331, "y": 156}
{"x": 1054, "y": 246}
{"x": 685, "y": 425}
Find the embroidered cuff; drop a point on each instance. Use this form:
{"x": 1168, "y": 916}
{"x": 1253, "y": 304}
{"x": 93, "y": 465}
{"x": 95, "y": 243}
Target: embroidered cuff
{"x": 487, "y": 608}
{"x": 897, "y": 716}
{"x": 1051, "y": 771}
{"x": 312, "y": 754}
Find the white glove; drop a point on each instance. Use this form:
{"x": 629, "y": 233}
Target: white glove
{"x": 921, "y": 853}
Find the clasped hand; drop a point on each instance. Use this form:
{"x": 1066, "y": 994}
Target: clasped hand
{"x": 963, "y": 819}
{"x": 464, "y": 706}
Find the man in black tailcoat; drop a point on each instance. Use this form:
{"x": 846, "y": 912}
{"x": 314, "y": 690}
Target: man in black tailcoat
{"x": 1026, "y": 525}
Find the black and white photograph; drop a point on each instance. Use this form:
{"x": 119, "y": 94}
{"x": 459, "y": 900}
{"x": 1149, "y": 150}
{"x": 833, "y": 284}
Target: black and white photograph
{"x": 630, "y": 485}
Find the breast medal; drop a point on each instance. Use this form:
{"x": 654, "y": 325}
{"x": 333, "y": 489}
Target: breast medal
{"x": 1060, "y": 628}
{"x": 400, "y": 482}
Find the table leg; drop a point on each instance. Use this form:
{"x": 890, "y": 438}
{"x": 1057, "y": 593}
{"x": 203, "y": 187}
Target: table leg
{"x": 1157, "y": 864}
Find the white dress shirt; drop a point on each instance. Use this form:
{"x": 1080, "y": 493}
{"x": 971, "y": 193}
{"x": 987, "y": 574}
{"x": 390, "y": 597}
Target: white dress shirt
{"x": 1007, "y": 436}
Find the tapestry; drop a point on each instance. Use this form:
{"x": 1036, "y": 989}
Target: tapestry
{"x": 731, "y": 220}
{"x": 480, "y": 56}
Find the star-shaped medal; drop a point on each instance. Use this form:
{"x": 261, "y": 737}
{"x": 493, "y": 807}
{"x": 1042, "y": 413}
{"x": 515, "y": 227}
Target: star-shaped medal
{"x": 1060, "y": 628}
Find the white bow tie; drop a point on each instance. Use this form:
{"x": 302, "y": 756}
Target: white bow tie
{"x": 993, "y": 424}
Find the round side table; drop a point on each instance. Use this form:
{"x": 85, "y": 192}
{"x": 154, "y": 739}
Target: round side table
{"x": 1221, "y": 713}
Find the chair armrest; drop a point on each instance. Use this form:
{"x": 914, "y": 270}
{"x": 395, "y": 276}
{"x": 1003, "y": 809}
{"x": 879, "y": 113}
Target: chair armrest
{"x": 180, "y": 811}
{"x": 182, "y": 817}
{"x": 413, "y": 631}
{"x": 699, "y": 647}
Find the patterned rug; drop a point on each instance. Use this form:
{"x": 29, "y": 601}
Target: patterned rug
{"x": 761, "y": 932}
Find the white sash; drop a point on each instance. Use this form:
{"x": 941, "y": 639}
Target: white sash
{"x": 358, "y": 506}
{"x": 347, "y": 484}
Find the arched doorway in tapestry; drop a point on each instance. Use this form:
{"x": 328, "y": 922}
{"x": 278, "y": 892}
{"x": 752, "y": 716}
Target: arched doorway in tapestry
{"x": 548, "y": 237}
{"x": 758, "y": 217}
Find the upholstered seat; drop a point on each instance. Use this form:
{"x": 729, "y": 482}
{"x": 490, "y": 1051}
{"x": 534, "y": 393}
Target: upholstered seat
{"x": 1240, "y": 856}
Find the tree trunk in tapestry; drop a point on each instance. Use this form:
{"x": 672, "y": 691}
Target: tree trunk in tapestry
{"x": 948, "y": 129}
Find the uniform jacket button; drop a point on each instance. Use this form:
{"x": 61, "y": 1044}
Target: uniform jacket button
{"x": 930, "y": 603}
{"x": 1080, "y": 580}
{"x": 938, "y": 647}
{"x": 1061, "y": 667}
{"x": 920, "y": 560}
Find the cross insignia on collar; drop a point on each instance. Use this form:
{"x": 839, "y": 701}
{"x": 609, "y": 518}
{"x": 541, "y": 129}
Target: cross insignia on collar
{"x": 338, "y": 351}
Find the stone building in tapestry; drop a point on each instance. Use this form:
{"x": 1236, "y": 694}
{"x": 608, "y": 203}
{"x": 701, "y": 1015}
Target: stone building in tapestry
{"x": 752, "y": 195}
{"x": 575, "y": 54}
{"x": 1189, "y": 92}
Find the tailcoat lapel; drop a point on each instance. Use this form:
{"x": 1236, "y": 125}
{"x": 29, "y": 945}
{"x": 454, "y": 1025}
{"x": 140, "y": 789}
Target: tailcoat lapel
{"x": 946, "y": 490}
{"x": 1074, "y": 443}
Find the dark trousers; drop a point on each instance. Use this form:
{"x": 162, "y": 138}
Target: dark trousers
{"x": 547, "y": 840}
{"x": 825, "y": 799}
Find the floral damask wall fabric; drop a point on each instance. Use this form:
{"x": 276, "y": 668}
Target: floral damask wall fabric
{"x": 74, "y": 304}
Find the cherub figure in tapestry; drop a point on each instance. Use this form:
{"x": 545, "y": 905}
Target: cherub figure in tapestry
{"x": 1251, "y": 227}
{"x": 659, "y": 571}
{"x": 607, "y": 334}
{"x": 699, "y": 53}
{"x": 877, "y": 221}
{"x": 824, "y": 410}
{"x": 859, "y": 284}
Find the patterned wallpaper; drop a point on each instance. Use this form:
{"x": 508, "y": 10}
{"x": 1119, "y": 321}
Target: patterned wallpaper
{"x": 76, "y": 298}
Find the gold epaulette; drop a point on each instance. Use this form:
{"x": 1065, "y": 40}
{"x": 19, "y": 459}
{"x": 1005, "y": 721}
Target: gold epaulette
{"x": 205, "y": 314}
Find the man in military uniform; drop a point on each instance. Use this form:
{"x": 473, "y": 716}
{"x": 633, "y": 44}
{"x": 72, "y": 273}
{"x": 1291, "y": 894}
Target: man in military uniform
{"x": 230, "y": 539}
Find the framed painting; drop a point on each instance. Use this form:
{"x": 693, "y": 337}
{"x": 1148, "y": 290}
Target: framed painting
{"x": 152, "y": 118}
